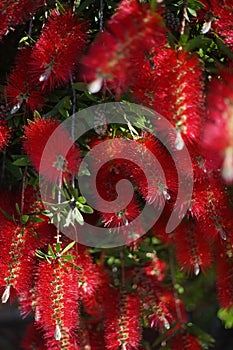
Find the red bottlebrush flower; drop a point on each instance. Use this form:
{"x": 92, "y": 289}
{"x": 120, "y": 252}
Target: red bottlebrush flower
{"x": 217, "y": 140}
{"x": 225, "y": 274}
{"x": 200, "y": 172}
{"x": 18, "y": 245}
{"x": 192, "y": 247}
{"x": 199, "y": 205}
{"x": 122, "y": 321}
{"x": 122, "y": 218}
{"x": 222, "y": 22}
{"x": 5, "y": 134}
{"x": 156, "y": 267}
{"x": 56, "y": 53}
{"x": 161, "y": 317}
{"x": 188, "y": 98}
{"x": 148, "y": 88}
{"x": 220, "y": 210}
{"x": 56, "y": 303}
{"x": 175, "y": 306}
{"x": 185, "y": 341}
{"x": 161, "y": 188}
{"x": 20, "y": 87}
{"x": 37, "y": 133}
{"x": 132, "y": 30}
{"x": 90, "y": 281}
{"x": 155, "y": 311}
{"x": 16, "y": 12}
{"x": 182, "y": 106}
{"x": 124, "y": 221}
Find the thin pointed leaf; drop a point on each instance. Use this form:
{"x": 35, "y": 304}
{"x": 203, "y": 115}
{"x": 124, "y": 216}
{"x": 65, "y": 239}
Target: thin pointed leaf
{"x": 68, "y": 247}
{"x": 51, "y": 252}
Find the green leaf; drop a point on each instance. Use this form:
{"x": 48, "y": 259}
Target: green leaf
{"x": 82, "y": 200}
{"x": 40, "y": 254}
{"x": 6, "y": 214}
{"x": 36, "y": 219}
{"x": 83, "y": 170}
{"x": 68, "y": 247}
{"x": 57, "y": 205}
{"x": 17, "y": 209}
{"x": 51, "y": 252}
{"x": 79, "y": 86}
{"x": 23, "y": 39}
{"x": 63, "y": 112}
{"x": 78, "y": 216}
{"x": 22, "y": 161}
{"x": 226, "y": 315}
{"x": 68, "y": 257}
{"x": 57, "y": 247}
{"x": 195, "y": 4}
{"x": 223, "y": 48}
{"x": 192, "y": 12}
{"x": 204, "y": 337}
{"x": 24, "y": 218}
{"x": 68, "y": 219}
{"x": 36, "y": 114}
{"x": 198, "y": 42}
{"x": 86, "y": 209}
{"x": 183, "y": 39}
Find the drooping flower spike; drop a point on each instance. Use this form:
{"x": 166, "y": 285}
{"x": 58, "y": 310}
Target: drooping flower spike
{"x": 217, "y": 138}
{"x": 13, "y": 13}
{"x": 56, "y": 53}
{"x": 111, "y": 55}
{"x": 55, "y": 162}
{"x": 20, "y": 88}
{"x": 5, "y": 134}
{"x": 122, "y": 321}
{"x": 56, "y": 303}
{"x": 172, "y": 84}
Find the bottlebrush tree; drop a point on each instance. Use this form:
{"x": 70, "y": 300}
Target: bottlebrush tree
{"x": 174, "y": 57}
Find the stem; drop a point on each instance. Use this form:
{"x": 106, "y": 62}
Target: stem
{"x": 102, "y": 257}
{"x": 74, "y": 6}
{"x": 23, "y": 189}
{"x": 101, "y": 15}
{"x": 74, "y": 106}
{"x": 184, "y": 18}
{"x": 153, "y": 5}
{"x": 173, "y": 278}
{"x": 122, "y": 267}
{"x": 58, "y": 236}
{"x": 30, "y": 27}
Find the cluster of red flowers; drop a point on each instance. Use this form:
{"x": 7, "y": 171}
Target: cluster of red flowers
{"x": 5, "y": 132}
{"x": 49, "y": 64}
{"x": 13, "y": 13}
{"x": 78, "y": 303}
{"x": 37, "y": 134}
{"x": 111, "y": 55}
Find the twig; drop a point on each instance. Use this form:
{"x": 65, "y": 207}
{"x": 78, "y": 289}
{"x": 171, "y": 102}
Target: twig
{"x": 23, "y": 189}
{"x": 173, "y": 278}
{"x": 74, "y": 106}
{"x": 101, "y": 15}
{"x": 184, "y": 18}
{"x": 58, "y": 236}
{"x": 122, "y": 267}
{"x": 30, "y": 27}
